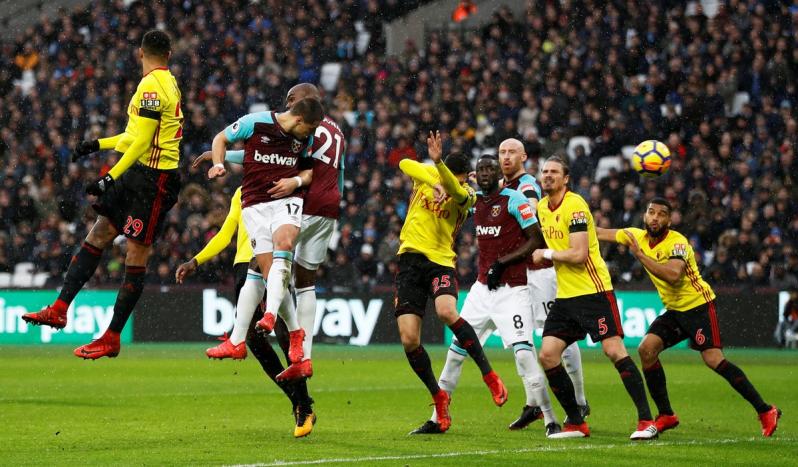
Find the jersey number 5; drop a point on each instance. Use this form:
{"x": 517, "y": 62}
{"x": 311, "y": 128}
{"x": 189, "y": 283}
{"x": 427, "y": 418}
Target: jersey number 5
{"x": 602, "y": 326}
{"x": 437, "y": 283}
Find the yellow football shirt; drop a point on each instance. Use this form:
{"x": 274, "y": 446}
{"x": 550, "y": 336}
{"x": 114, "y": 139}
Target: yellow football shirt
{"x": 691, "y": 290}
{"x": 431, "y": 228}
{"x": 222, "y": 238}
{"x": 157, "y": 97}
{"x": 557, "y": 222}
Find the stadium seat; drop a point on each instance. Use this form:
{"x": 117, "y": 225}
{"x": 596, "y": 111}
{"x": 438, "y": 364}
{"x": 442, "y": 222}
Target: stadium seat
{"x": 330, "y": 72}
{"x": 605, "y": 164}
{"x": 740, "y": 99}
{"x": 258, "y": 107}
{"x": 627, "y": 152}
{"x": 578, "y": 141}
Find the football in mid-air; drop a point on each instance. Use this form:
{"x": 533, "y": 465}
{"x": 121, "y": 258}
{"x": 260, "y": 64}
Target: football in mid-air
{"x": 651, "y": 158}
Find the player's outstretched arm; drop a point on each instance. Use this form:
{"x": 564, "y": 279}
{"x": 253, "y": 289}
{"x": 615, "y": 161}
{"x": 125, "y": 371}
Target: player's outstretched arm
{"x": 670, "y": 271}
{"x": 607, "y": 235}
{"x": 146, "y": 130}
{"x": 417, "y": 171}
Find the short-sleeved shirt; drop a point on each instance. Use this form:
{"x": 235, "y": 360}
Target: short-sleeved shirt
{"x": 500, "y": 219}
{"x": 270, "y": 154}
{"x": 157, "y": 97}
{"x": 328, "y": 152}
{"x": 558, "y": 222}
{"x": 528, "y": 186}
{"x": 691, "y": 290}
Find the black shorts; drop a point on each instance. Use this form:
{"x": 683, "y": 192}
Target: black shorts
{"x": 418, "y": 280}
{"x": 137, "y": 203}
{"x": 571, "y": 319}
{"x": 699, "y": 324}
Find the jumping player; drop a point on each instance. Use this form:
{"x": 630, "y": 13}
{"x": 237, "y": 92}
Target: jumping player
{"x": 507, "y": 232}
{"x": 133, "y": 198}
{"x": 690, "y": 302}
{"x": 426, "y": 268}
{"x": 276, "y": 149}
{"x": 585, "y": 301}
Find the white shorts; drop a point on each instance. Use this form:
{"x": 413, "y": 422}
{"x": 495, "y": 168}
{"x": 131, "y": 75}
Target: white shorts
{"x": 506, "y": 309}
{"x": 542, "y": 285}
{"x": 313, "y": 241}
{"x": 263, "y": 219}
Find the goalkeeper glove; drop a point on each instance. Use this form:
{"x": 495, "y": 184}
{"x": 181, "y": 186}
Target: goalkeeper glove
{"x": 84, "y": 148}
{"x": 101, "y": 185}
{"x": 495, "y": 275}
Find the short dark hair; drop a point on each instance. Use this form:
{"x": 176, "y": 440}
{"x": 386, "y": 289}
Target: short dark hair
{"x": 458, "y": 164}
{"x": 566, "y": 169}
{"x": 156, "y": 43}
{"x": 660, "y": 201}
{"x": 310, "y": 109}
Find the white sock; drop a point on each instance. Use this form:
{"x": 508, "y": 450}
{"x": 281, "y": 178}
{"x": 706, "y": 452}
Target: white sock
{"x": 572, "y": 360}
{"x": 306, "y": 314}
{"x": 249, "y": 297}
{"x": 277, "y": 288}
{"x": 531, "y": 374}
{"x": 450, "y": 375}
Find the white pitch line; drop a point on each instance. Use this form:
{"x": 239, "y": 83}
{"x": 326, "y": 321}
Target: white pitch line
{"x": 583, "y": 447}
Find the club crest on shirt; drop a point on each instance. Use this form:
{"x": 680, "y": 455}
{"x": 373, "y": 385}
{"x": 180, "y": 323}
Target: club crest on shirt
{"x": 265, "y": 139}
{"x": 495, "y": 210}
{"x": 296, "y": 146}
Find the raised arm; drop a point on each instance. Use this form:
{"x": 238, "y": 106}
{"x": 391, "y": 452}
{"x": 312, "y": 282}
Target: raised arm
{"x": 670, "y": 271}
{"x": 607, "y": 235}
{"x": 450, "y": 183}
{"x": 417, "y": 171}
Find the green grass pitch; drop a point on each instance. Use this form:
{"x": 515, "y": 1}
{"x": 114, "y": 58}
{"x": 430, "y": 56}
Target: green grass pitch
{"x": 164, "y": 404}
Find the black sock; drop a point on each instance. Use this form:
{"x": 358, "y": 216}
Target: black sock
{"x": 420, "y": 363}
{"x": 634, "y": 386}
{"x": 467, "y": 340}
{"x": 735, "y": 376}
{"x": 80, "y": 270}
{"x": 563, "y": 389}
{"x": 128, "y": 296}
{"x": 301, "y": 396}
{"x": 259, "y": 344}
{"x": 655, "y": 380}
{"x": 281, "y": 331}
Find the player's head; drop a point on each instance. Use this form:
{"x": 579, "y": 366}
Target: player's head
{"x": 488, "y": 173}
{"x": 459, "y": 165}
{"x": 511, "y": 157}
{"x": 156, "y": 46}
{"x": 305, "y": 116}
{"x": 555, "y": 175}
{"x": 299, "y": 92}
{"x": 657, "y": 218}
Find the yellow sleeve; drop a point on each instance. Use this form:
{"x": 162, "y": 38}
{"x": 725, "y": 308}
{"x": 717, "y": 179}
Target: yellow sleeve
{"x": 621, "y": 237}
{"x": 225, "y": 235}
{"x": 111, "y": 141}
{"x": 417, "y": 171}
{"x": 146, "y": 130}
{"x": 453, "y": 186}
{"x": 149, "y": 101}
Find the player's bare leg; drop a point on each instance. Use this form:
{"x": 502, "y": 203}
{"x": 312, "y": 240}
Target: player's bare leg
{"x": 410, "y": 334}
{"x": 80, "y": 270}
{"x": 129, "y": 294}
{"x": 649, "y": 351}
{"x": 446, "y": 308}
{"x": 615, "y": 350}
{"x": 768, "y": 414}
{"x": 250, "y": 296}
{"x": 562, "y": 387}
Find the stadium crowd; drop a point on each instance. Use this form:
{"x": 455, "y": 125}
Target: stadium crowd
{"x": 615, "y": 72}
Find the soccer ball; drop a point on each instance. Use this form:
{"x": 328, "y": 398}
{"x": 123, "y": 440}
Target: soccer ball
{"x": 651, "y": 158}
